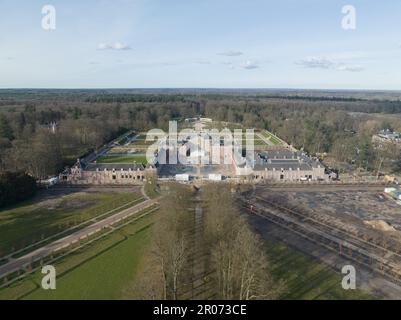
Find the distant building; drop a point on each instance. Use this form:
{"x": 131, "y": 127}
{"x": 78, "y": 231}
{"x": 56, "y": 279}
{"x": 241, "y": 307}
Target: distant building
{"x": 52, "y": 126}
{"x": 215, "y": 177}
{"x": 387, "y": 136}
{"x": 182, "y": 177}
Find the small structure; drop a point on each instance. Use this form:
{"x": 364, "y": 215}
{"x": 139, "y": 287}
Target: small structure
{"x": 215, "y": 177}
{"x": 50, "y": 182}
{"x": 394, "y": 193}
{"x": 387, "y": 136}
{"x": 182, "y": 177}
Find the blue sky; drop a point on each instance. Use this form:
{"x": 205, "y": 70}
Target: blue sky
{"x": 202, "y": 43}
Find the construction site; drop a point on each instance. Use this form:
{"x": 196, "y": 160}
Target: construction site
{"x": 338, "y": 224}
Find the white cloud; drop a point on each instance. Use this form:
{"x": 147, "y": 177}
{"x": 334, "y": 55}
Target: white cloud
{"x": 231, "y": 53}
{"x": 113, "y": 46}
{"x": 328, "y": 63}
{"x": 316, "y": 62}
{"x": 350, "y": 68}
{"x": 249, "y": 65}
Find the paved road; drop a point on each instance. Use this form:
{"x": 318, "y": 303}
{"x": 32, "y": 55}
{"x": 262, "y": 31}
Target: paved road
{"x": 24, "y": 261}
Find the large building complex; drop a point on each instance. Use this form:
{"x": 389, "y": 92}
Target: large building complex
{"x": 201, "y": 156}
{"x": 108, "y": 174}
{"x": 284, "y": 165}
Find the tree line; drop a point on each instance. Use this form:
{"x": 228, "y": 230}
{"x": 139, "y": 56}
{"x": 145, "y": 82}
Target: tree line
{"x": 16, "y": 187}
{"x": 85, "y": 120}
{"x": 236, "y": 262}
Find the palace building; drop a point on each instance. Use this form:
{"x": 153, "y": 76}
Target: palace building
{"x": 108, "y": 174}
{"x": 283, "y": 165}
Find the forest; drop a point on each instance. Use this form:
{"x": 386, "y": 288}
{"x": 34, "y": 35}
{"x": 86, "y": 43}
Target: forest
{"x": 42, "y": 131}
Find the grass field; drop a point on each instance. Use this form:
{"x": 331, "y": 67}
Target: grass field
{"x": 307, "y": 278}
{"x": 104, "y": 270}
{"x": 43, "y": 216}
{"x": 220, "y": 125}
{"x": 272, "y": 137}
{"x": 107, "y": 269}
{"x": 140, "y": 140}
{"x": 134, "y": 158}
{"x": 256, "y": 141}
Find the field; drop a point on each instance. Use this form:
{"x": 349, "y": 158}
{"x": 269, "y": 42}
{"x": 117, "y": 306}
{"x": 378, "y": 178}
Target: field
{"x": 306, "y": 278}
{"x": 140, "y": 140}
{"x": 135, "y": 158}
{"x": 107, "y": 269}
{"x": 104, "y": 270}
{"x": 256, "y": 142}
{"x": 47, "y": 215}
{"x": 275, "y": 140}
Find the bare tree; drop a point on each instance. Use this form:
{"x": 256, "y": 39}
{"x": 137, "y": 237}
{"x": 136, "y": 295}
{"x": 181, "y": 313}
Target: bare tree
{"x": 241, "y": 265}
{"x": 170, "y": 246}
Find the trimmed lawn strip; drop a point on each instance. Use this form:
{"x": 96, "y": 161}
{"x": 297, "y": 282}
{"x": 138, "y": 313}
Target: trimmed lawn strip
{"x": 307, "y": 278}
{"x": 26, "y": 224}
{"x": 134, "y": 158}
{"x": 99, "y": 270}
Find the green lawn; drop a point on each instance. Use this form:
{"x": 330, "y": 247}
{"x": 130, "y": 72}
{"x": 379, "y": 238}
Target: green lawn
{"x": 107, "y": 268}
{"x": 105, "y": 276}
{"x": 275, "y": 140}
{"x": 41, "y": 217}
{"x": 306, "y": 278}
{"x": 134, "y": 158}
{"x": 256, "y": 141}
{"x": 104, "y": 270}
{"x": 142, "y": 142}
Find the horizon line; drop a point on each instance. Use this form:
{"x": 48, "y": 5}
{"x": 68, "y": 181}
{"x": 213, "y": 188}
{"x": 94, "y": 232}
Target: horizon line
{"x": 201, "y": 88}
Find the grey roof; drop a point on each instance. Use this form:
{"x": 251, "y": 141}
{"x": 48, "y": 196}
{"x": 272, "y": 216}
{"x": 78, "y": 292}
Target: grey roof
{"x": 284, "y": 159}
{"x": 115, "y": 166}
